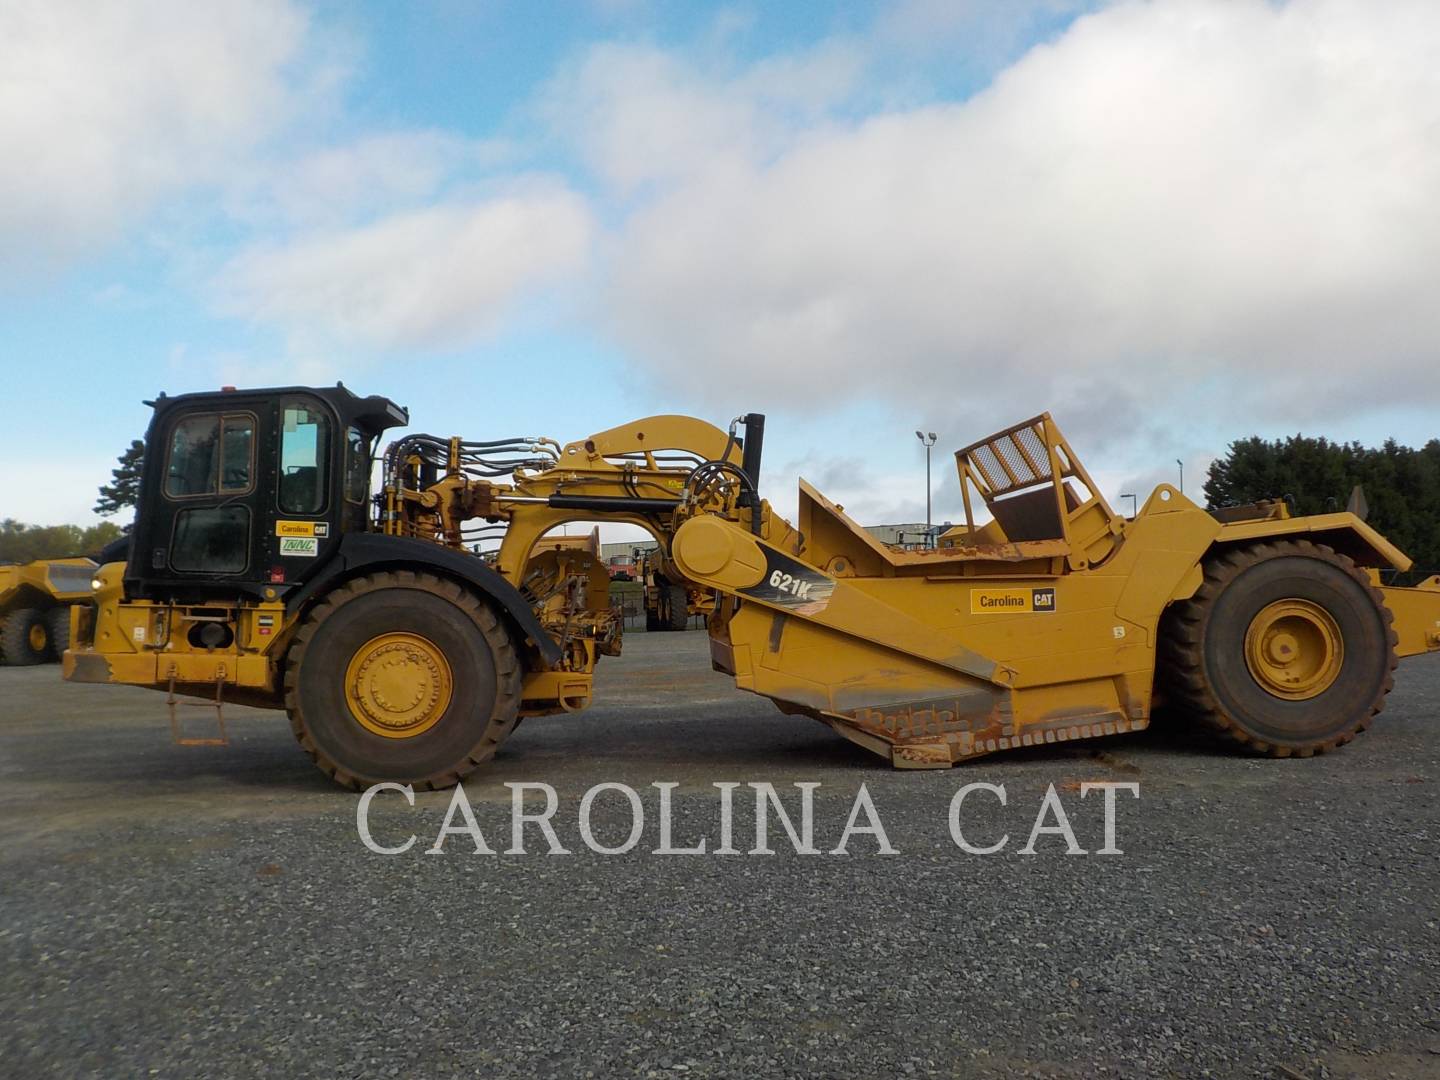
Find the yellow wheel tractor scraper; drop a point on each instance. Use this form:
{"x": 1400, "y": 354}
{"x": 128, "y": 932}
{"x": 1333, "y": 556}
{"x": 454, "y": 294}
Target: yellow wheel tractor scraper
{"x": 264, "y": 569}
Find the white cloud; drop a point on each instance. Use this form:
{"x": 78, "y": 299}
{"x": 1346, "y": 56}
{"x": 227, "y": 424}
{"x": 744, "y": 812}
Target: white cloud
{"x": 1172, "y": 212}
{"x": 641, "y": 115}
{"x": 106, "y": 108}
{"x": 1195, "y": 204}
{"x": 431, "y": 278}
{"x": 378, "y": 173}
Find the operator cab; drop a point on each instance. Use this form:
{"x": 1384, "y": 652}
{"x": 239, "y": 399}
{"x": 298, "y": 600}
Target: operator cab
{"x": 247, "y": 492}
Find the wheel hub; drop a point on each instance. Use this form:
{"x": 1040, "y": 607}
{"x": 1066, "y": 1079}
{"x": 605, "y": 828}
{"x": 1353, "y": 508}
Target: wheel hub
{"x": 37, "y": 637}
{"x": 1293, "y": 649}
{"x": 398, "y": 685}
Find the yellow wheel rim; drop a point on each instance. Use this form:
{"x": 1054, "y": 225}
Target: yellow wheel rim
{"x": 398, "y": 685}
{"x": 1294, "y": 649}
{"x": 37, "y": 637}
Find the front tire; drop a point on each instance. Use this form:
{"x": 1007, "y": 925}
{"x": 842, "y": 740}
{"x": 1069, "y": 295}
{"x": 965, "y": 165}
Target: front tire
{"x": 403, "y": 677}
{"x": 1286, "y": 648}
{"x": 25, "y": 638}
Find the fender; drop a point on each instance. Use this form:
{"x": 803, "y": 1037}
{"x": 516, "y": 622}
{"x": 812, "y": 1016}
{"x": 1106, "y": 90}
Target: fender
{"x": 360, "y": 552}
{"x": 1345, "y": 532}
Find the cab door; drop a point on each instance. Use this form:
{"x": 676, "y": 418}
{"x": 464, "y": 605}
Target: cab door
{"x": 309, "y": 507}
{"x": 210, "y": 495}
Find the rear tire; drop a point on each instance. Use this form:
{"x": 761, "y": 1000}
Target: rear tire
{"x": 679, "y": 607}
{"x": 402, "y": 677}
{"x": 1286, "y": 648}
{"x": 25, "y": 638}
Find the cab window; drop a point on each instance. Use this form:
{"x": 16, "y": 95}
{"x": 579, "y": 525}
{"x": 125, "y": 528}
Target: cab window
{"x": 357, "y": 466}
{"x": 304, "y": 458}
{"x": 211, "y": 539}
{"x": 210, "y": 454}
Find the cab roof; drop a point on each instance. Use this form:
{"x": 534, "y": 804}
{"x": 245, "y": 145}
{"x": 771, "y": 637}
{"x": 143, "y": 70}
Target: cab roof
{"x": 374, "y": 413}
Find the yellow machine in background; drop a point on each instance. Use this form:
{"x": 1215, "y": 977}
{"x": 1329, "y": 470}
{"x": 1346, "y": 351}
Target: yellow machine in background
{"x": 35, "y": 601}
{"x": 401, "y": 656}
{"x": 670, "y": 603}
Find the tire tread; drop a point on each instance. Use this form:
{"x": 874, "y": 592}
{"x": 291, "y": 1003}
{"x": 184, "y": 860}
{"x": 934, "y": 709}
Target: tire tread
{"x": 15, "y": 650}
{"x": 1182, "y": 675}
{"x": 507, "y": 672}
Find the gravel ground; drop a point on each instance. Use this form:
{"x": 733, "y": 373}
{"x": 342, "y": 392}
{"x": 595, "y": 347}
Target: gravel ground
{"x": 193, "y": 912}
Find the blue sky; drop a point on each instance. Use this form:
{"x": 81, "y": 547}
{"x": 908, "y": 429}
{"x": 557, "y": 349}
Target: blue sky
{"x": 1172, "y": 224}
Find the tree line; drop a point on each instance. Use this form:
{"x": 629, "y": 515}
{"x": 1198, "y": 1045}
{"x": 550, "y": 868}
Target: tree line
{"x": 21, "y": 543}
{"x": 1401, "y": 484}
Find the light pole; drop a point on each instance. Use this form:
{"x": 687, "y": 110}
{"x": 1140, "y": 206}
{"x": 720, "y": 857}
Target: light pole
{"x": 1134, "y": 502}
{"x": 1182, "y": 475}
{"x": 927, "y": 442}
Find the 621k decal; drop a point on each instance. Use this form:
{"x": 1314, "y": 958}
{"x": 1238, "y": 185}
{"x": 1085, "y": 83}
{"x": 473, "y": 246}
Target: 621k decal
{"x": 792, "y": 584}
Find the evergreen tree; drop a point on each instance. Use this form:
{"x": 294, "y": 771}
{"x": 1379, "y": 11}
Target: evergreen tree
{"x": 124, "y": 487}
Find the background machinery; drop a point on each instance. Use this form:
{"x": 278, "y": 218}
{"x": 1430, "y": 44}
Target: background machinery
{"x": 264, "y": 569}
{"x": 35, "y": 599}
{"x": 670, "y": 602}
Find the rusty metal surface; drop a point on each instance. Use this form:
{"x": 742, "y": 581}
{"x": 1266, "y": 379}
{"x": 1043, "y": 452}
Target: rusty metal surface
{"x": 1018, "y": 551}
{"x": 177, "y": 730}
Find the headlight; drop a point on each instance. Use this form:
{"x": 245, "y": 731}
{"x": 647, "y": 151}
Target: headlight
{"x": 96, "y": 584}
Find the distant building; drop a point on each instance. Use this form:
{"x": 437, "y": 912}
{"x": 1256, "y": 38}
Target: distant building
{"x": 626, "y": 547}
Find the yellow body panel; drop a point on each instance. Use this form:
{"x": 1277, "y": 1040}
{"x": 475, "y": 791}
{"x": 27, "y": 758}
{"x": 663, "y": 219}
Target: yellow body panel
{"x": 1343, "y": 524}
{"x": 1417, "y": 616}
{"x": 143, "y": 643}
{"x": 545, "y": 692}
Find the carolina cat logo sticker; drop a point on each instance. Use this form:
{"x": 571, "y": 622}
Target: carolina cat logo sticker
{"x": 1010, "y": 601}
{"x": 302, "y": 528}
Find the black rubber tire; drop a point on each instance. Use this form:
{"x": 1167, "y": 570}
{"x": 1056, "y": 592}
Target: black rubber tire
{"x": 1203, "y": 643}
{"x": 652, "y": 621}
{"x": 15, "y": 647}
{"x": 484, "y": 667}
{"x": 679, "y": 607}
{"x": 58, "y": 621}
